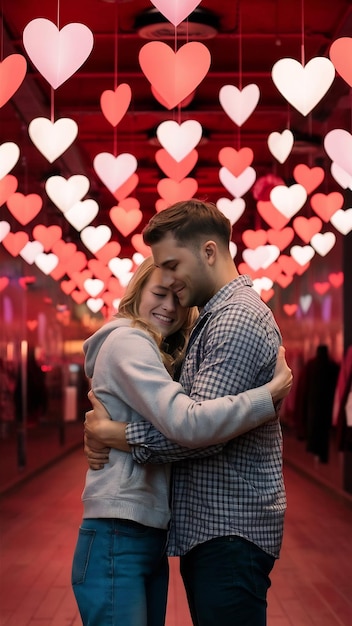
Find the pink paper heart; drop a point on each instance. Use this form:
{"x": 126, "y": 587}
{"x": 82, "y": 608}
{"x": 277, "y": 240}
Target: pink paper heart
{"x": 8, "y": 186}
{"x": 14, "y": 242}
{"x": 57, "y": 54}
{"x": 179, "y": 139}
{"x": 114, "y": 171}
{"x": 236, "y": 160}
{"x": 307, "y": 227}
{"x": 108, "y": 251}
{"x": 12, "y": 72}
{"x": 280, "y": 238}
{"x": 9, "y": 155}
{"x": 124, "y": 190}
{"x": 175, "y": 75}
{"x": 177, "y": 11}
{"x": 114, "y": 104}
{"x": 125, "y": 221}
{"x": 325, "y": 205}
{"x": 237, "y": 185}
{"x": 47, "y": 235}
{"x": 340, "y": 54}
{"x": 24, "y": 208}
{"x": 338, "y": 146}
{"x": 174, "y": 169}
{"x": 309, "y": 177}
{"x": 172, "y": 191}
{"x": 271, "y": 215}
{"x": 239, "y": 104}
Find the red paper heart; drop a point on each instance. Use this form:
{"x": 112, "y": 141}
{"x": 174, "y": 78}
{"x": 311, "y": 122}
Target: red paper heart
{"x": 8, "y": 186}
{"x": 76, "y": 264}
{"x": 243, "y": 268}
{"x": 281, "y": 238}
{"x": 115, "y": 287}
{"x": 284, "y": 280}
{"x": 15, "y": 242}
{"x": 175, "y": 75}
{"x": 336, "y": 279}
{"x": 32, "y": 324}
{"x": 68, "y": 286}
{"x": 79, "y": 296}
{"x": 309, "y": 177}
{"x": 307, "y": 227}
{"x": 161, "y": 204}
{"x": 99, "y": 269}
{"x": 321, "y": 288}
{"x": 12, "y": 72}
{"x": 173, "y": 169}
{"x": 139, "y": 245}
{"x": 290, "y": 309}
{"x": 267, "y": 294}
{"x": 236, "y": 160}
{"x": 129, "y": 204}
{"x": 340, "y": 54}
{"x": 26, "y": 280}
{"x": 325, "y": 205}
{"x": 287, "y": 264}
{"x": 80, "y": 277}
{"x": 173, "y": 191}
{"x": 24, "y": 208}
{"x": 47, "y": 235}
{"x": 254, "y": 238}
{"x": 125, "y": 221}
{"x": 122, "y": 192}
{"x": 64, "y": 250}
{"x": 4, "y": 281}
{"x": 109, "y": 251}
{"x": 271, "y": 215}
{"x": 114, "y": 104}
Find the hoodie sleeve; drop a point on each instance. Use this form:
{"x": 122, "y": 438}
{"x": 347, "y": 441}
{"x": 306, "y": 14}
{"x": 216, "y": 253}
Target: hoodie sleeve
{"x": 131, "y": 362}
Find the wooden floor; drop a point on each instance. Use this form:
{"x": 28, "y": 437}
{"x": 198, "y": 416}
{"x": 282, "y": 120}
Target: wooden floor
{"x": 311, "y": 583}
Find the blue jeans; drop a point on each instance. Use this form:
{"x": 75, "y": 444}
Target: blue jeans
{"x": 226, "y": 581}
{"x": 120, "y": 573}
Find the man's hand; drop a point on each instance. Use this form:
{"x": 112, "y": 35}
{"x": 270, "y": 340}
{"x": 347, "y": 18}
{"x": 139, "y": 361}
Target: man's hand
{"x": 282, "y": 380}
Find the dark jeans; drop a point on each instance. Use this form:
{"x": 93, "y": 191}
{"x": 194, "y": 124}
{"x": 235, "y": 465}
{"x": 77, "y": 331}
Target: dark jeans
{"x": 226, "y": 581}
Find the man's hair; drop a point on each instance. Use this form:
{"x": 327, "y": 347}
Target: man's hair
{"x": 188, "y": 222}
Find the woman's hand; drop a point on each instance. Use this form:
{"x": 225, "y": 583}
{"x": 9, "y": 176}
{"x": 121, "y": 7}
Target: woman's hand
{"x": 95, "y": 449}
{"x": 281, "y": 383}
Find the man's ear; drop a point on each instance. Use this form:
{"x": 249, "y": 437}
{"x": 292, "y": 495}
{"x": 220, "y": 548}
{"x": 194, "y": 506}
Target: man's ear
{"x": 209, "y": 250}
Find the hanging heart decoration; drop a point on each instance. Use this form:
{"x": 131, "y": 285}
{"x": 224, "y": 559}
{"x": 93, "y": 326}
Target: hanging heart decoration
{"x": 254, "y": 238}
{"x": 82, "y": 213}
{"x": 280, "y": 238}
{"x": 64, "y": 193}
{"x": 239, "y": 104}
{"x": 57, "y": 54}
{"x": 114, "y": 171}
{"x": 94, "y": 286}
{"x": 342, "y": 220}
{"x": 95, "y": 304}
{"x": 236, "y": 161}
{"x": 12, "y": 73}
{"x": 237, "y": 185}
{"x": 307, "y": 227}
{"x": 281, "y": 144}
{"x": 108, "y": 251}
{"x": 46, "y": 262}
{"x": 338, "y": 146}
{"x": 9, "y": 155}
{"x": 47, "y": 235}
{"x": 323, "y": 242}
{"x": 94, "y": 238}
{"x": 125, "y": 221}
{"x": 288, "y": 200}
{"x": 261, "y": 257}
{"x": 139, "y": 245}
{"x": 99, "y": 269}
{"x": 179, "y": 139}
{"x": 340, "y": 54}
{"x": 232, "y": 209}
{"x": 336, "y": 279}
{"x": 309, "y": 177}
{"x": 177, "y": 170}
{"x": 305, "y": 302}
{"x": 290, "y": 309}
{"x": 175, "y": 10}
{"x": 8, "y": 186}
{"x": 325, "y": 205}
{"x": 52, "y": 138}
{"x": 24, "y": 208}
{"x": 4, "y": 229}
{"x": 344, "y": 179}
{"x": 303, "y": 86}
{"x": 321, "y": 288}
{"x": 271, "y": 215}
{"x": 4, "y": 282}
{"x": 114, "y": 104}
{"x": 124, "y": 190}
{"x": 14, "y": 242}
{"x": 172, "y": 191}
{"x": 176, "y": 74}
{"x": 31, "y": 251}
{"x": 302, "y": 254}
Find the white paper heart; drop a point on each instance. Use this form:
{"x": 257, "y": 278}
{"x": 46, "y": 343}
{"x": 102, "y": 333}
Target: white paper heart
{"x": 262, "y": 284}
{"x": 9, "y": 155}
{"x": 323, "y": 242}
{"x": 342, "y": 220}
{"x": 302, "y": 254}
{"x": 46, "y": 262}
{"x": 179, "y": 139}
{"x": 52, "y": 138}
{"x": 338, "y": 146}
{"x": 344, "y": 179}
{"x": 280, "y": 145}
{"x": 232, "y": 209}
{"x": 303, "y": 87}
{"x": 237, "y": 185}
{"x": 95, "y": 238}
{"x": 261, "y": 257}
{"x": 114, "y": 171}
{"x": 95, "y": 304}
{"x": 31, "y": 251}
{"x": 82, "y": 213}
{"x": 57, "y": 54}
{"x": 93, "y": 286}
{"x": 305, "y": 302}
{"x": 233, "y": 249}
{"x": 64, "y": 193}
{"x": 4, "y": 229}
{"x": 175, "y": 11}
{"x": 239, "y": 104}
{"x": 288, "y": 200}
{"x": 138, "y": 258}
{"x": 121, "y": 268}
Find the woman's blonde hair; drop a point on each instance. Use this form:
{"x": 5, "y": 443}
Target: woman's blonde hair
{"x": 172, "y": 348}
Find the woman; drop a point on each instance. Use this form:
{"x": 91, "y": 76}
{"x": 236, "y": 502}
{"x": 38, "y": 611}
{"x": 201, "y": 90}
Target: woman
{"x": 120, "y": 570}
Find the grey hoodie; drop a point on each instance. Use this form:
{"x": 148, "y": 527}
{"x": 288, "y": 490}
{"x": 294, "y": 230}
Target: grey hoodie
{"x": 129, "y": 378}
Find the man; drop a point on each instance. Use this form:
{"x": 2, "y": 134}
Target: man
{"x": 228, "y": 507}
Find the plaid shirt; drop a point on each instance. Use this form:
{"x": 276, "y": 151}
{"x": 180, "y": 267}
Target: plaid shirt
{"x": 236, "y": 488}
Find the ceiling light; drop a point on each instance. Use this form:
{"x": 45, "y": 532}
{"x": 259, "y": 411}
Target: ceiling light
{"x": 200, "y": 24}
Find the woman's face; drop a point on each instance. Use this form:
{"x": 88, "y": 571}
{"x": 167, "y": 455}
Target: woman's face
{"x": 160, "y": 307}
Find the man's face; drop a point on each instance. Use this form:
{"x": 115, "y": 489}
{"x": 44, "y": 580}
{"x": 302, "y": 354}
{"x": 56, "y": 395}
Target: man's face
{"x": 183, "y": 271}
